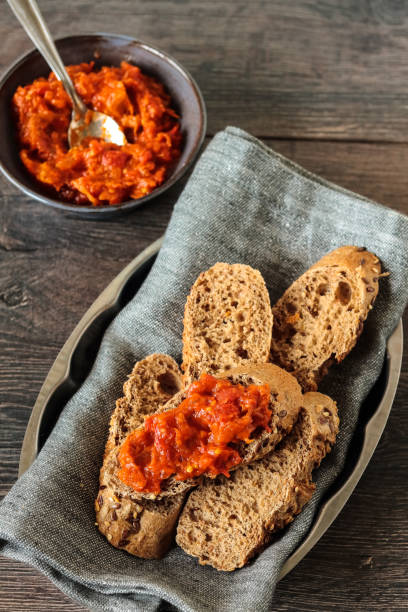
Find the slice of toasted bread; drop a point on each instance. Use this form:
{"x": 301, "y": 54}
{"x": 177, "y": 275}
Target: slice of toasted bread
{"x": 142, "y": 528}
{"x": 225, "y": 522}
{"x": 286, "y": 400}
{"x": 227, "y": 321}
{"x": 320, "y": 316}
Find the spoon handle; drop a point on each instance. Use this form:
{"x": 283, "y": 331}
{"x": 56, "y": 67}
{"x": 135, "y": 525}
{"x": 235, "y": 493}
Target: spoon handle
{"x": 29, "y": 16}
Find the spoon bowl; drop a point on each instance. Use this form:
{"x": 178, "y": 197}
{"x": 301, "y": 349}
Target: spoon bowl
{"x": 94, "y": 125}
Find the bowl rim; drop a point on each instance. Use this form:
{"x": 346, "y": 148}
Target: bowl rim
{"x": 128, "y": 204}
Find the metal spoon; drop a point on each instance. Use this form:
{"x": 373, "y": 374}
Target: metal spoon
{"x": 85, "y": 123}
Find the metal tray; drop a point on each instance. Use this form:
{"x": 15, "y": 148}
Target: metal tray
{"x": 78, "y": 354}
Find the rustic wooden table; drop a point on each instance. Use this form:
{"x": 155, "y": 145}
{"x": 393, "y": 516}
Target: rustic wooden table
{"x": 325, "y": 83}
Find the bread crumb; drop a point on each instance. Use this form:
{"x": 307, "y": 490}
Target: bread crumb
{"x": 367, "y": 562}
{"x": 293, "y": 318}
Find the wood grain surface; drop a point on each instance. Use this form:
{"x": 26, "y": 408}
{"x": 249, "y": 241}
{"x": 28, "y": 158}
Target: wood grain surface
{"x": 321, "y": 81}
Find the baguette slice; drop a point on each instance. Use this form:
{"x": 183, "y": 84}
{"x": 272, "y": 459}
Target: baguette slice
{"x": 286, "y": 400}
{"x": 320, "y": 316}
{"x": 227, "y": 321}
{"x": 142, "y": 528}
{"x": 226, "y": 522}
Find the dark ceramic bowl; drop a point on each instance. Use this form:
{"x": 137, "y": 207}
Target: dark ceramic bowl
{"x": 105, "y": 50}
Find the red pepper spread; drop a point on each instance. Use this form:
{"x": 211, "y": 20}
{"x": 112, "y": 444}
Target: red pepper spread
{"x": 197, "y": 437}
{"x": 98, "y": 172}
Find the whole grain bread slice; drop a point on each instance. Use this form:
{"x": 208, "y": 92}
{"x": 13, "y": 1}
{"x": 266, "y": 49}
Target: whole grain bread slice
{"x": 320, "y": 316}
{"x": 227, "y": 321}
{"x": 286, "y": 400}
{"x": 142, "y": 528}
{"x": 152, "y": 382}
{"x": 226, "y": 522}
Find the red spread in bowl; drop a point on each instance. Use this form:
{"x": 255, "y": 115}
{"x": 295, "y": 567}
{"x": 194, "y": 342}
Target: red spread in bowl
{"x": 197, "y": 436}
{"x": 97, "y": 172}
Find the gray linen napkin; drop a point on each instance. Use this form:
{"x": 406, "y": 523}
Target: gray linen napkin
{"x": 244, "y": 203}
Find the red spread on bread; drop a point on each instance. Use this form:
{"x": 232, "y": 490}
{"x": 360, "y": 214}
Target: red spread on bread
{"x": 197, "y": 437}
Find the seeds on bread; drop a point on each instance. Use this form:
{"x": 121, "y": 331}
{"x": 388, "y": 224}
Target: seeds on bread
{"x": 227, "y": 321}
{"x": 320, "y": 316}
{"x": 225, "y": 522}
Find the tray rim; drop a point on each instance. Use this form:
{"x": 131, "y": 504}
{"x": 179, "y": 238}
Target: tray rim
{"x": 373, "y": 431}
{"x": 59, "y": 373}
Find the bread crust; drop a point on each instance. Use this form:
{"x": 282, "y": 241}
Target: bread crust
{"x": 142, "y": 528}
{"x": 320, "y": 317}
{"x": 226, "y": 522}
{"x": 227, "y": 321}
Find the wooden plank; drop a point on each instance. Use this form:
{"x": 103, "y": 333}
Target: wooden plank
{"x": 299, "y": 69}
{"x": 24, "y": 589}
